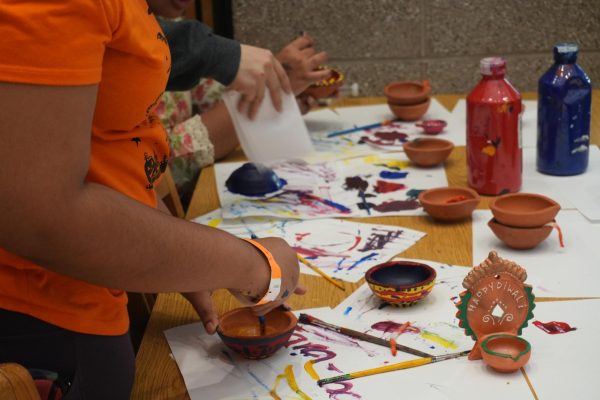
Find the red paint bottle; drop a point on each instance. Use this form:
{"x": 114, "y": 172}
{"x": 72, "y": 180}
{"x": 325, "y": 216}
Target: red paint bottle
{"x": 494, "y": 156}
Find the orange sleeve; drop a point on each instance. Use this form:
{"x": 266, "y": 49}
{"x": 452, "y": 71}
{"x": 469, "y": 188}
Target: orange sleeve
{"x": 54, "y": 42}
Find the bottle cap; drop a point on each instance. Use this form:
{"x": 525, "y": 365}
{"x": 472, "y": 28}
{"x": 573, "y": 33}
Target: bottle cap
{"x": 565, "y": 53}
{"x": 492, "y": 66}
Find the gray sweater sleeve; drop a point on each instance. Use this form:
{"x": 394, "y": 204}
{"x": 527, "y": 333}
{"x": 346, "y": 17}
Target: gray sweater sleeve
{"x": 198, "y": 53}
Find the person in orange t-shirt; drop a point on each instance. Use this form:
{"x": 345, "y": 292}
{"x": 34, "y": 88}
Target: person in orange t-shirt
{"x": 80, "y": 155}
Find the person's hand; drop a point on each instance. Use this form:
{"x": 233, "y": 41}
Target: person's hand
{"x": 287, "y": 259}
{"x": 306, "y": 102}
{"x": 202, "y": 303}
{"x": 300, "y": 60}
{"x": 259, "y": 69}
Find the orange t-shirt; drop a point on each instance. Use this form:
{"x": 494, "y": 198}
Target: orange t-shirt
{"x": 118, "y": 45}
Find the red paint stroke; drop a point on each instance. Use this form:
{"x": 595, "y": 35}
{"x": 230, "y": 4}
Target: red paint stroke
{"x": 377, "y": 241}
{"x": 554, "y": 327}
{"x": 455, "y": 199}
{"x": 300, "y": 236}
{"x": 345, "y": 389}
{"x": 314, "y": 350}
{"x": 357, "y": 240}
{"x": 387, "y": 187}
{"x": 394, "y": 327}
{"x": 356, "y": 183}
{"x": 332, "y": 367}
{"x": 317, "y": 252}
{"x": 397, "y": 205}
{"x": 391, "y": 135}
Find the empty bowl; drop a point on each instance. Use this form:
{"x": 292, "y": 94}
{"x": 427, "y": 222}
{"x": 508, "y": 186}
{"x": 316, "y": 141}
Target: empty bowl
{"x": 407, "y": 92}
{"x": 428, "y": 152}
{"x": 524, "y": 210}
{"x": 505, "y": 352}
{"x": 401, "y": 283}
{"x": 411, "y": 112}
{"x": 520, "y": 238}
{"x": 327, "y": 87}
{"x": 254, "y": 180}
{"x": 240, "y": 330}
{"x": 449, "y": 203}
{"x": 432, "y": 126}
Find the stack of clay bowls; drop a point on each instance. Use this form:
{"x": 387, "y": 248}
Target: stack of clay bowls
{"x": 523, "y": 220}
{"x": 408, "y": 100}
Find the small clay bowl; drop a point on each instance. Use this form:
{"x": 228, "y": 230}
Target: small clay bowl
{"x": 407, "y": 92}
{"x": 327, "y": 87}
{"x": 432, "y": 126}
{"x": 239, "y": 329}
{"x": 525, "y": 210}
{"x": 401, "y": 283}
{"x": 520, "y": 238}
{"x": 428, "y": 152}
{"x": 449, "y": 203}
{"x": 254, "y": 180}
{"x": 505, "y": 352}
{"x": 410, "y": 112}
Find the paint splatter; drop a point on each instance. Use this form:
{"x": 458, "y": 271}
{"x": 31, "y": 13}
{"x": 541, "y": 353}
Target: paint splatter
{"x": 356, "y": 183}
{"x": 332, "y": 367}
{"x": 377, "y": 241}
{"x": 393, "y": 174}
{"x": 387, "y": 187}
{"x": 347, "y": 311}
{"x": 554, "y": 327}
{"x": 397, "y": 205}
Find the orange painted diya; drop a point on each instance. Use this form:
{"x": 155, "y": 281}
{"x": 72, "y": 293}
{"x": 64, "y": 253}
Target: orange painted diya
{"x": 494, "y": 309}
{"x": 401, "y": 283}
{"x": 328, "y": 86}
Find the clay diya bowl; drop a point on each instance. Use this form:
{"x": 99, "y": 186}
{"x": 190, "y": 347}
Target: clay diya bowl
{"x": 520, "y": 238}
{"x": 525, "y": 210}
{"x": 428, "y": 152}
{"x": 432, "y": 126}
{"x": 254, "y": 180}
{"x": 411, "y": 112}
{"x": 407, "y": 92}
{"x": 327, "y": 87}
{"x": 505, "y": 352}
{"x": 401, "y": 283}
{"x": 240, "y": 330}
{"x": 449, "y": 203}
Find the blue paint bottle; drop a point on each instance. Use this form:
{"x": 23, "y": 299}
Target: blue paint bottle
{"x": 564, "y": 109}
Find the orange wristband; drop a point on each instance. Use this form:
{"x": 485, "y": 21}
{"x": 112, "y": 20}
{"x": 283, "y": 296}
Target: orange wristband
{"x": 275, "y": 283}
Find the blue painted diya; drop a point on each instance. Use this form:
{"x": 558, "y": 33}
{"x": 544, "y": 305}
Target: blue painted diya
{"x": 254, "y": 180}
{"x": 401, "y": 283}
{"x": 240, "y": 330}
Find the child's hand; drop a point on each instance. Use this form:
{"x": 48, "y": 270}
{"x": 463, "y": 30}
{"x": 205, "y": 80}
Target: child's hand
{"x": 301, "y": 61}
{"x": 202, "y": 303}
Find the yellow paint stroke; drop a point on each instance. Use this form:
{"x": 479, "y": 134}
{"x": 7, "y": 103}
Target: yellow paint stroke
{"x": 310, "y": 370}
{"x": 288, "y": 375}
{"x": 434, "y": 337}
{"x": 394, "y": 164}
{"x": 215, "y": 222}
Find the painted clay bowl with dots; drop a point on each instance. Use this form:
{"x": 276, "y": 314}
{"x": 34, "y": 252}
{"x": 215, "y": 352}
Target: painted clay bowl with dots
{"x": 401, "y": 283}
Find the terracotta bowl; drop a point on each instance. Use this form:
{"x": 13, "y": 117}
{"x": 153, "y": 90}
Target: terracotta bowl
{"x": 407, "y": 92}
{"x": 401, "y": 283}
{"x": 520, "y": 238}
{"x": 327, "y": 87}
{"x": 410, "y": 112}
{"x": 239, "y": 329}
{"x": 428, "y": 152}
{"x": 505, "y": 352}
{"x": 432, "y": 126}
{"x": 525, "y": 210}
{"x": 253, "y": 179}
{"x": 449, "y": 203}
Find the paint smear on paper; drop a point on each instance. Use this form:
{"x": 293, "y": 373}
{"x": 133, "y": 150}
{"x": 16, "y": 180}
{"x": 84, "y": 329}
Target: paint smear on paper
{"x": 434, "y": 337}
{"x": 397, "y": 205}
{"x": 377, "y": 241}
{"x": 288, "y": 375}
{"x": 348, "y": 309}
{"x": 387, "y": 187}
{"x": 344, "y": 390}
{"x": 215, "y": 222}
{"x": 310, "y": 370}
{"x": 356, "y": 183}
{"x": 554, "y": 327}
{"x": 393, "y": 174}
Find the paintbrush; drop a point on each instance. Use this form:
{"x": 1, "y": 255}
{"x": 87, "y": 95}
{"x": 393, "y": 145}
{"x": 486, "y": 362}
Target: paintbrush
{"x": 309, "y": 319}
{"x": 262, "y": 321}
{"x": 392, "y": 367}
{"x": 361, "y": 128}
{"x": 318, "y": 271}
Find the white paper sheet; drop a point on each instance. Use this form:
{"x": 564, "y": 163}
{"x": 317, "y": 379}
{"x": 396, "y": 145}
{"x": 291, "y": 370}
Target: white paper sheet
{"x": 572, "y": 271}
{"x": 211, "y": 371}
{"x": 457, "y": 124}
{"x": 565, "y": 365}
{"x": 311, "y": 189}
{"x": 272, "y": 135}
{"x": 342, "y": 249}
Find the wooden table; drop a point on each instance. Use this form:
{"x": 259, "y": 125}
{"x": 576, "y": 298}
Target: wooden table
{"x": 157, "y": 374}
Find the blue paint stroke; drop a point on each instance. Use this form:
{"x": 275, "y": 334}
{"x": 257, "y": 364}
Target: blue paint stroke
{"x": 365, "y": 258}
{"x": 393, "y": 174}
{"x": 348, "y": 309}
{"x": 258, "y": 380}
